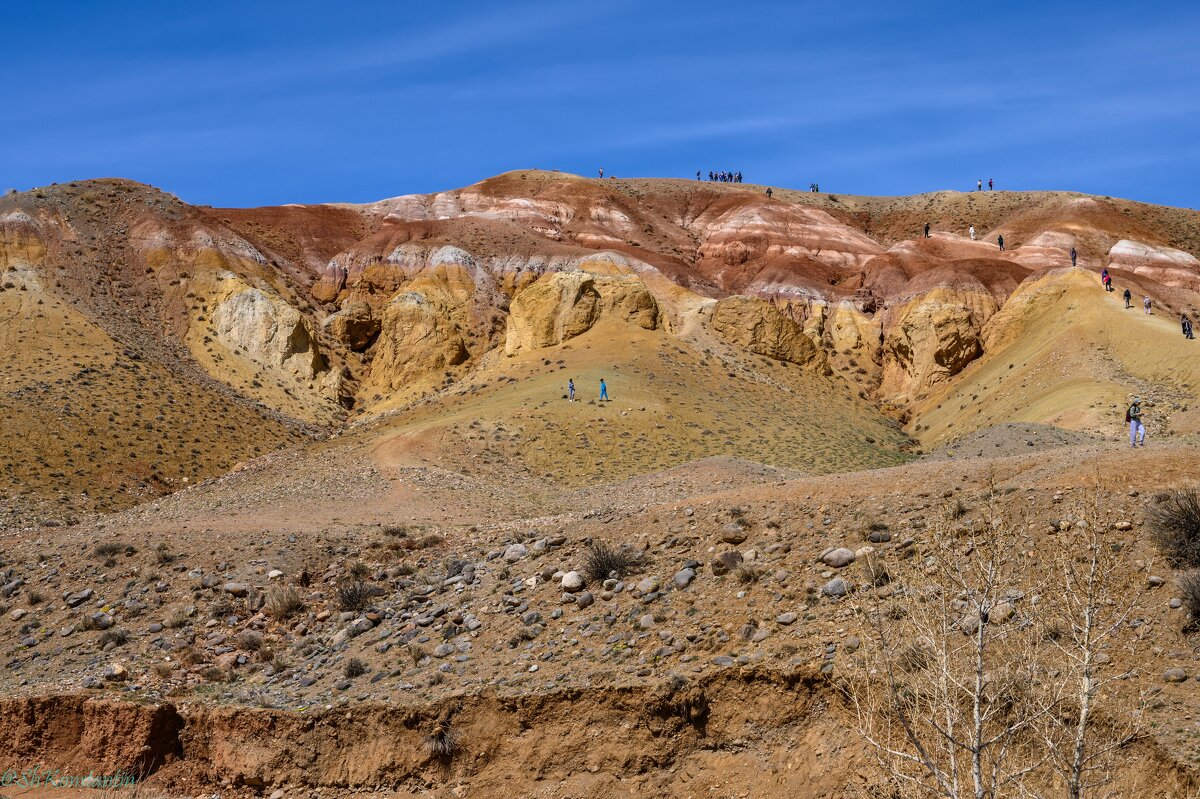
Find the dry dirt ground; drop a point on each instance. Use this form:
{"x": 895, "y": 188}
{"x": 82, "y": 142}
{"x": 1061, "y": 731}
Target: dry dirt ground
{"x": 355, "y": 593}
{"x": 465, "y": 625}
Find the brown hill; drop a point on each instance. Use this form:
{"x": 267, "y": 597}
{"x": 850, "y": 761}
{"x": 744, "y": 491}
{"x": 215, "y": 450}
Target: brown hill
{"x": 247, "y": 325}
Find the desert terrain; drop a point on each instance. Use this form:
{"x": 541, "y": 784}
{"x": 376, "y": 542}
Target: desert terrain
{"x": 298, "y": 503}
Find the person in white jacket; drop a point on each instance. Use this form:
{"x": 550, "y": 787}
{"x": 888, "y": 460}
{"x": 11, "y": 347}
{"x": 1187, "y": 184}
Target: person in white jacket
{"x": 972, "y": 232}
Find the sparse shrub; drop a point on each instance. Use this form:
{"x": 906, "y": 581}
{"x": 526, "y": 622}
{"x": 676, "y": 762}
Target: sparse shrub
{"x": 180, "y": 619}
{"x": 34, "y": 597}
{"x": 876, "y": 570}
{"x": 442, "y": 743}
{"x": 356, "y": 595}
{"x": 163, "y": 555}
{"x": 283, "y": 602}
{"x": 1189, "y": 591}
{"x": 250, "y": 640}
{"x": 117, "y": 637}
{"x": 108, "y": 550}
{"x": 603, "y": 562}
{"x": 164, "y": 669}
{"x": 214, "y": 674}
{"x": 914, "y": 658}
{"x": 359, "y": 570}
{"x": 356, "y": 667}
{"x": 1175, "y": 523}
{"x": 398, "y": 531}
{"x": 956, "y": 509}
{"x": 417, "y": 653}
{"x": 747, "y": 574}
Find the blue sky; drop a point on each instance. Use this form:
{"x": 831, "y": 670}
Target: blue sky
{"x": 253, "y": 103}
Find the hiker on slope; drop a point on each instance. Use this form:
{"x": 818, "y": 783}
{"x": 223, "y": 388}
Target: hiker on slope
{"x": 1137, "y": 431}
{"x": 1128, "y": 299}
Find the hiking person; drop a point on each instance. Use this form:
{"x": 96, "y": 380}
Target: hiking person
{"x": 1000, "y": 241}
{"x": 1187, "y": 328}
{"x": 601, "y": 171}
{"x": 1137, "y": 431}
{"x": 697, "y": 174}
{"x": 570, "y": 390}
{"x": 1075, "y": 255}
{"x": 991, "y": 185}
{"x": 979, "y": 185}
{"x": 1183, "y": 323}
{"x": 769, "y": 192}
{"x": 926, "y": 230}
{"x": 1128, "y": 298}
{"x": 971, "y": 232}
{"x": 1107, "y": 281}
{"x": 1146, "y": 305}
{"x": 603, "y": 390}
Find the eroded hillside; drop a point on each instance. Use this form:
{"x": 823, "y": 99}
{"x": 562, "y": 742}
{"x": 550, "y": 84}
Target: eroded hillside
{"x": 151, "y": 341}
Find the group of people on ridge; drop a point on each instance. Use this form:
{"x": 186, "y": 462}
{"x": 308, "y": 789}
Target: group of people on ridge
{"x": 722, "y": 177}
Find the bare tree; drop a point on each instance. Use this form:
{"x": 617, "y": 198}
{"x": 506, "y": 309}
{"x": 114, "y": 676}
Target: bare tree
{"x": 1089, "y": 610}
{"x": 983, "y": 663}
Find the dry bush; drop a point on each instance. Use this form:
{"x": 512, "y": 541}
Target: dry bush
{"x": 117, "y": 637}
{"x": 1175, "y": 524}
{"x": 1189, "y": 591}
{"x": 603, "y": 562}
{"x": 356, "y": 595}
{"x": 356, "y": 667}
{"x": 283, "y": 603}
{"x": 443, "y": 742}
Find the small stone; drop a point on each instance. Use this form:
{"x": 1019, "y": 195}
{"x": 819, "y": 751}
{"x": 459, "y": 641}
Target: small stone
{"x": 572, "y": 581}
{"x": 115, "y": 672}
{"x": 584, "y": 599}
{"x": 274, "y": 574}
{"x": 444, "y": 650}
{"x": 515, "y": 552}
{"x": 236, "y": 589}
{"x": 786, "y": 618}
{"x": 648, "y": 585}
{"x": 646, "y": 622}
{"x": 1154, "y": 581}
{"x": 1176, "y": 674}
{"x": 683, "y": 578}
{"x": 723, "y": 660}
{"x": 733, "y": 534}
{"x": 838, "y": 558}
{"x": 835, "y": 588}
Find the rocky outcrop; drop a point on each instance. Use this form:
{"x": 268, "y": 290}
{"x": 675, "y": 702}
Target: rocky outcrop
{"x": 1162, "y": 264}
{"x": 355, "y": 326}
{"x": 759, "y": 327}
{"x": 931, "y": 339}
{"x": 265, "y": 329}
{"x": 417, "y": 338}
{"x": 562, "y": 305}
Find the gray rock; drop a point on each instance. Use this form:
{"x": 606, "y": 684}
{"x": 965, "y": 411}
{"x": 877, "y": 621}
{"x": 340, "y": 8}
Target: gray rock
{"x": 835, "y": 588}
{"x": 584, "y": 599}
{"x": 786, "y": 618}
{"x": 1176, "y": 674}
{"x": 646, "y": 622}
{"x": 515, "y": 552}
{"x": 359, "y": 626}
{"x": 444, "y": 650}
{"x": 648, "y": 585}
{"x": 236, "y": 589}
{"x": 838, "y": 558}
{"x": 77, "y": 599}
{"x": 733, "y": 534}
{"x": 572, "y": 581}
{"x": 683, "y": 578}
{"x": 724, "y": 660}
